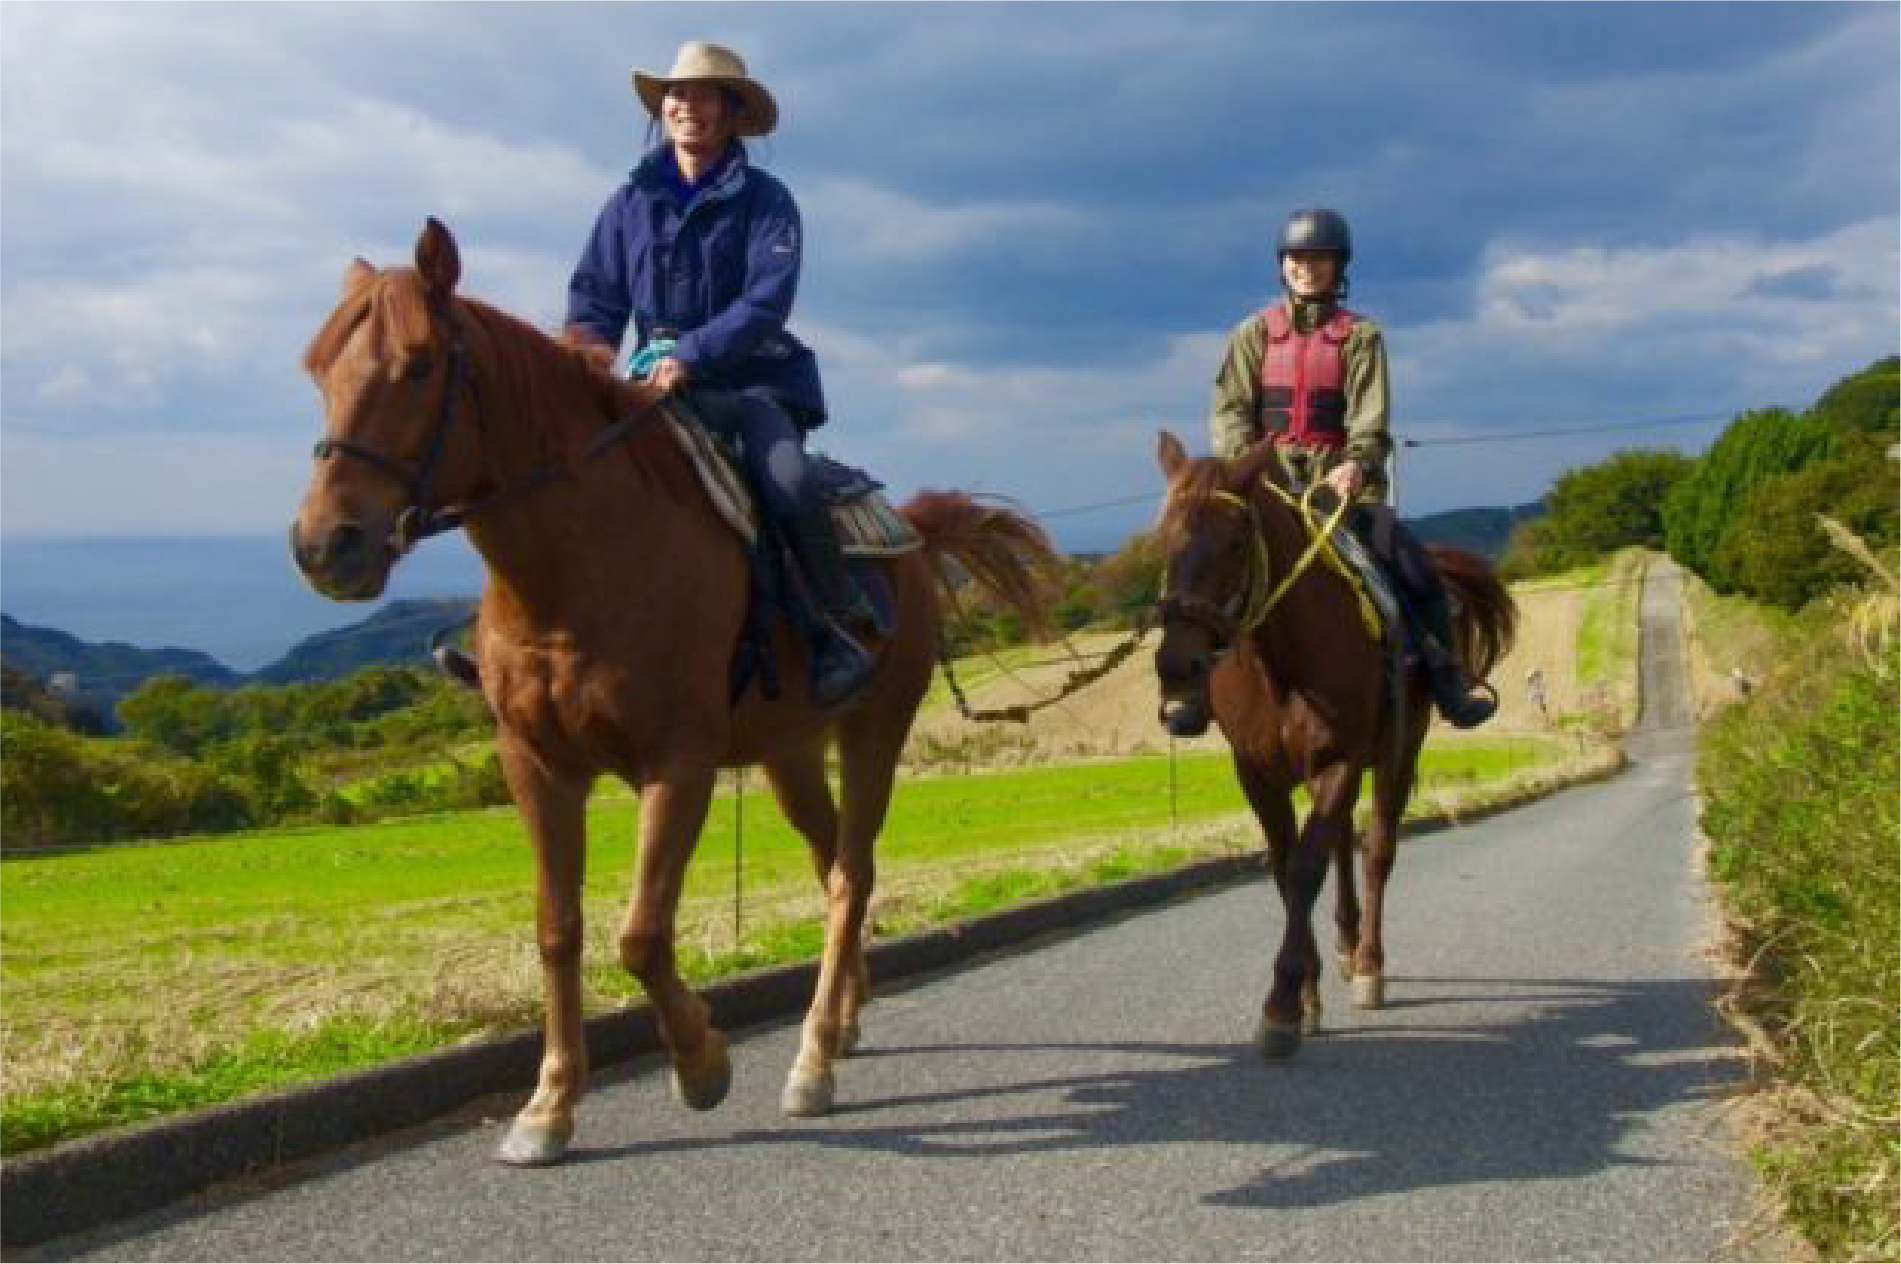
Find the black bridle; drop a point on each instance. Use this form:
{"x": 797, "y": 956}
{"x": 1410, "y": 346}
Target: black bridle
{"x": 419, "y": 519}
{"x": 1243, "y": 611}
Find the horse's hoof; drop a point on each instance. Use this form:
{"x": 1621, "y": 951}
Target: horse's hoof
{"x": 848, "y": 1040}
{"x": 707, "y": 1086}
{"x": 1369, "y": 991}
{"x": 1310, "y": 1021}
{"x": 531, "y": 1143}
{"x": 1346, "y": 965}
{"x": 1277, "y": 1041}
{"x": 808, "y": 1095}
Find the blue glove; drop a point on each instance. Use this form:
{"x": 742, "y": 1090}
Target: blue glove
{"x": 653, "y": 353}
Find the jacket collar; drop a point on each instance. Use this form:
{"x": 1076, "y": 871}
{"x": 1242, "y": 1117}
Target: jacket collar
{"x": 659, "y": 173}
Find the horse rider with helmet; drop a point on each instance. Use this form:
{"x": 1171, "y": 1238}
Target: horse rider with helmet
{"x": 1311, "y": 375}
{"x": 700, "y": 251}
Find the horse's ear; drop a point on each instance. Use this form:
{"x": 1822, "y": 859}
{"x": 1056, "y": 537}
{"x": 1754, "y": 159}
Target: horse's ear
{"x": 357, "y": 274}
{"x": 1169, "y": 453}
{"x": 1251, "y": 464}
{"x": 438, "y": 261}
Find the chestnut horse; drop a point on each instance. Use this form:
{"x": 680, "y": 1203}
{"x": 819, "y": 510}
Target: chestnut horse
{"x": 1298, "y": 685}
{"x": 614, "y": 600}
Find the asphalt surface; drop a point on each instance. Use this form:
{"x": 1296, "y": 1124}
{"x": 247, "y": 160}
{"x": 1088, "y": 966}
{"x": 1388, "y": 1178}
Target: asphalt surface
{"x": 1546, "y": 1082}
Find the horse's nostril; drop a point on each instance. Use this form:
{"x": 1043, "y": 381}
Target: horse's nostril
{"x": 345, "y": 541}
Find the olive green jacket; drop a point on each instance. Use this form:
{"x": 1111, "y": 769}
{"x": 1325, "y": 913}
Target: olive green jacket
{"x": 1234, "y": 423}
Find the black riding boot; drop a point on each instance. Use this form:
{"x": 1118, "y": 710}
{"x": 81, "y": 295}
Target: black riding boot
{"x": 1462, "y": 704}
{"x": 841, "y": 667}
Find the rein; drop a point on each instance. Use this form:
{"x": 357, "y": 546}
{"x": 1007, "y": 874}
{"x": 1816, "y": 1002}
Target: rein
{"x": 419, "y": 520}
{"x": 1248, "y": 609}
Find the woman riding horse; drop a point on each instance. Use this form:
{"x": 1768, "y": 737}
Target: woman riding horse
{"x": 700, "y": 251}
{"x": 1311, "y": 375}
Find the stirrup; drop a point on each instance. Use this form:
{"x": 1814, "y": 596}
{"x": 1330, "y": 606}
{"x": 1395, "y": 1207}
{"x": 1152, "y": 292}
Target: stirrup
{"x": 841, "y": 670}
{"x": 457, "y": 666}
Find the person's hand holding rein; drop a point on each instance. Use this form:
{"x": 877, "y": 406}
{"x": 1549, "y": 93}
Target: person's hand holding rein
{"x": 1346, "y": 479}
{"x": 668, "y": 376}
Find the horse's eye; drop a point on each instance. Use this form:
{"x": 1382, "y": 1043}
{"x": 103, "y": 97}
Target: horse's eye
{"x": 419, "y": 368}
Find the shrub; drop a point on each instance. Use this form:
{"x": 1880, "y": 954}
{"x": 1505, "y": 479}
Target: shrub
{"x": 1802, "y": 816}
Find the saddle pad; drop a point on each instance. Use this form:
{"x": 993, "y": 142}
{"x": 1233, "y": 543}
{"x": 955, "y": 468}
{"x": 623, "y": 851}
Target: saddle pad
{"x": 1371, "y": 580}
{"x": 866, "y": 523}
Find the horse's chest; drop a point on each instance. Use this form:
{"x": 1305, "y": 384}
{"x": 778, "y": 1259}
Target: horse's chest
{"x": 563, "y": 704}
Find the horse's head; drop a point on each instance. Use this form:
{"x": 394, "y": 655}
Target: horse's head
{"x": 391, "y": 366}
{"x": 1214, "y": 566}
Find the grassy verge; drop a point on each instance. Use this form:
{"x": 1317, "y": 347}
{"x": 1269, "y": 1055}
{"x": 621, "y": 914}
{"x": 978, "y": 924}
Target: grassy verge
{"x": 1607, "y": 647}
{"x": 1800, "y": 808}
{"x": 143, "y": 980}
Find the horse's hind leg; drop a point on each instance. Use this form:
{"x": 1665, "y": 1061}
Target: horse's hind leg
{"x": 798, "y": 782}
{"x": 1392, "y": 787}
{"x": 868, "y": 753}
{"x": 556, "y": 820}
{"x": 672, "y": 811}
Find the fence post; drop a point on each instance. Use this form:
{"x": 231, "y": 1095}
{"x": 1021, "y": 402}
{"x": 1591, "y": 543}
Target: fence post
{"x": 1174, "y": 817}
{"x": 739, "y": 834}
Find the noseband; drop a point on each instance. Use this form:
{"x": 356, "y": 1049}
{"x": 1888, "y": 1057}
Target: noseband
{"x": 1246, "y": 608}
{"x": 419, "y": 520}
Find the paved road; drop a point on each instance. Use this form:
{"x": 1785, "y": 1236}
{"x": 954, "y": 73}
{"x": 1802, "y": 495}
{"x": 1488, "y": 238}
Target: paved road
{"x": 1545, "y": 1083}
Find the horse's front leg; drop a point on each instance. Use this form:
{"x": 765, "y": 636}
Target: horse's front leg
{"x": 672, "y": 811}
{"x": 1392, "y": 787}
{"x": 1297, "y": 965}
{"x": 555, "y": 813}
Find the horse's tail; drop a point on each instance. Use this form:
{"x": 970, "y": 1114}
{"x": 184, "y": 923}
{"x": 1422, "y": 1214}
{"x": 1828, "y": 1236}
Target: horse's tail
{"x": 1488, "y": 617}
{"x": 1002, "y": 549}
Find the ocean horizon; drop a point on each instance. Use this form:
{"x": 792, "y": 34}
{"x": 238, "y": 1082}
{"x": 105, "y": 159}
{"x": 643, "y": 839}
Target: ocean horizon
{"x": 237, "y": 598}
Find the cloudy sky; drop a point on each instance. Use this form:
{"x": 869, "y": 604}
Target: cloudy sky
{"x": 1029, "y": 226}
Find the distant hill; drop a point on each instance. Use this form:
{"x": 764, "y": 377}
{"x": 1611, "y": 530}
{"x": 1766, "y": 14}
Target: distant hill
{"x": 398, "y": 633}
{"x": 1483, "y": 531}
{"x": 44, "y": 663}
{"x": 101, "y": 674}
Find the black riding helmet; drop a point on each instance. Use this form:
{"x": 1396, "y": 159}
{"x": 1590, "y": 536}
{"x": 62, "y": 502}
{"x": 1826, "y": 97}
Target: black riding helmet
{"x": 1318, "y": 229}
{"x": 1321, "y": 230}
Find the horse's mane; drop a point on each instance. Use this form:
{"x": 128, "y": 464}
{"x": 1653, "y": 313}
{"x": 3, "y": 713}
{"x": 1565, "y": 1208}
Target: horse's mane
{"x": 570, "y": 392}
{"x": 1196, "y": 481}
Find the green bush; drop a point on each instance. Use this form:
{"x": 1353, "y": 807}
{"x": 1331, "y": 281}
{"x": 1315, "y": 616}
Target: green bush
{"x": 1801, "y": 811}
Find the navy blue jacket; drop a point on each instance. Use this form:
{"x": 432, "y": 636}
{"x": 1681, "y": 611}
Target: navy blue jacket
{"x": 719, "y": 265}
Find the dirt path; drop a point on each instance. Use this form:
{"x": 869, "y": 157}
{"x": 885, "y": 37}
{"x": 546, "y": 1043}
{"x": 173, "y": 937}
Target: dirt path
{"x": 1116, "y": 715}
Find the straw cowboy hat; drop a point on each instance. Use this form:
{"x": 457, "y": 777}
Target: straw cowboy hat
{"x": 711, "y": 63}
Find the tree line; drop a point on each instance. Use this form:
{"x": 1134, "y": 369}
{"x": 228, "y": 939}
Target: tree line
{"x": 200, "y": 758}
{"x": 196, "y": 758}
{"x": 1747, "y": 514}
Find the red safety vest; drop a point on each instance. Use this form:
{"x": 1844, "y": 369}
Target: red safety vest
{"x": 1303, "y": 380}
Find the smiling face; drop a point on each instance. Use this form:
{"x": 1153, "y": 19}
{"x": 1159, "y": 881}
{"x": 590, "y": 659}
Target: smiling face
{"x": 1311, "y": 274}
{"x": 699, "y": 117}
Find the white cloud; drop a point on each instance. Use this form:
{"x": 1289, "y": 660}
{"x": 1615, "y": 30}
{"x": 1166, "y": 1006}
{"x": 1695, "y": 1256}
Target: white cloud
{"x": 875, "y": 225}
{"x": 1572, "y": 333}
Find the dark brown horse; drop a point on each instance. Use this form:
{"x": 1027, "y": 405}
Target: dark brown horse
{"x": 615, "y": 598}
{"x": 1298, "y": 686}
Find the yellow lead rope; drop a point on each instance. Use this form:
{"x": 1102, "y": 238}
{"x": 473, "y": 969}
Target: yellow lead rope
{"x": 1320, "y": 546}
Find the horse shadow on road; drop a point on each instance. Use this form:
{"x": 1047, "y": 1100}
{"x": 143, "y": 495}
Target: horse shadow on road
{"x": 1381, "y": 1103}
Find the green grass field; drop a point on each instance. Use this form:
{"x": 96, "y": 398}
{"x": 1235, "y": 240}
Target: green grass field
{"x": 146, "y": 978}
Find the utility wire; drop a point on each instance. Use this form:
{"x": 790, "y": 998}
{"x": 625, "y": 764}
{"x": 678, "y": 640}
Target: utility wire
{"x": 1700, "y": 419}
{"x": 1512, "y": 436}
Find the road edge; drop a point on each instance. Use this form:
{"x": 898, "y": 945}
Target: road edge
{"x": 93, "y": 1181}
